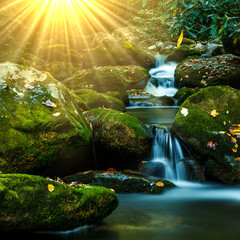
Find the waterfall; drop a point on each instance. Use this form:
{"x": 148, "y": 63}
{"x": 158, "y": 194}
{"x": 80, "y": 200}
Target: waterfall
{"x": 168, "y": 154}
{"x": 162, "y": 78}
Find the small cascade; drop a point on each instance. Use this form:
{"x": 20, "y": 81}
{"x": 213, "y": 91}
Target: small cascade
{"x": 162, "y": 78}
{"x": 167, "y": 155}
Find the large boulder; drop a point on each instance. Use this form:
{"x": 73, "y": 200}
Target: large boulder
{"x": 88, "y": 99}
{"x": 230, "y": 47}
{"x": 121, "y": 140}
{"x": 59, "y": 70}
{"x": 203, "y": 72}
{"x": 33, "y": 203}
{"x": 181, "y": 53}
{"x": 60, "y": 53}
{"x": 207, "y": 123}
{"x": 117, "y": 52}
{"x": 103, "y": 80}
{"x": 121, "y": 181}
{"x": 42, "y": 127}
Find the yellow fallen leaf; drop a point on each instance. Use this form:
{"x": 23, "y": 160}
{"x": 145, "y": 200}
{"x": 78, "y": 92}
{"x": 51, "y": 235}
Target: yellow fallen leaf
{"x": 51, "y": 188}
{"x": 214, "y": 113}
{"x": 160, "y": 184}
{"x": 237, "y": 159}
{"x": 234, "y": 150}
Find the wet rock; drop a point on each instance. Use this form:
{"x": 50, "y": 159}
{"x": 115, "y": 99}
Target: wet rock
{"x": 88, "y": 99}
{"x": 204, "y": 122}
{"x": 33, "y": 203}
{"x": 203, "y": 72}
{"x": 121, "y": 140}
{"x": 42, "y": 127}
{"x": 122, "y": 182}
{"x": 181, "y": 53}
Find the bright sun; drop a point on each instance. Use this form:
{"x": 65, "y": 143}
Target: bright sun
{"x": 60, "y": 21}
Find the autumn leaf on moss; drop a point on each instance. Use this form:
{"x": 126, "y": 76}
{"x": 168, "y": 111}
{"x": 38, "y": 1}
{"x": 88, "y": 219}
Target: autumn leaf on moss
{"x": 214, "y": 113}
{"x": 234, "y": 150}
{"x": 51, "y": 188}
{"x": 235, "y": 130}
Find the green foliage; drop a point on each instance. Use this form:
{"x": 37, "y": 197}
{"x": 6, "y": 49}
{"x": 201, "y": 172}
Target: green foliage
{"x": 203, "y": 19}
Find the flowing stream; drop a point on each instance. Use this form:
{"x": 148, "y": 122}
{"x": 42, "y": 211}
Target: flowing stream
{"x": 189, "y": 211}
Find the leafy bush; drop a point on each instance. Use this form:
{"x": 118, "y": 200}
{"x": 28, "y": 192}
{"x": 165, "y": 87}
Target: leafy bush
{"x": 202, "y": 19}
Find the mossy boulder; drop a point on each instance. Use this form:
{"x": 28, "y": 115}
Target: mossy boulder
{"x": 230, "y": 47}
{"x": 121, "y": 181}
{"x": 117, "y": 52}
{"x": 183, "y": 93}
{"x": 59, "y": 70}
{"x": 42, "y": 127}
{"x": 121, "y": 140}
{"x": 203, "y": 122}
{"x": 181, "y": 53}
{"x": 27, "y": 59}
{"x": 203, "y": 72}
{"x": 88, "y": 99}
{"x": 101, "y": 79}
{"x": 60, "y": 53}
{"x": 33, "y": 203}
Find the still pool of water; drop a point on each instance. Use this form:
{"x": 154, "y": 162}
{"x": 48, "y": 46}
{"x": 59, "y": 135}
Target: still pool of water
{"x": 188, "y": 212}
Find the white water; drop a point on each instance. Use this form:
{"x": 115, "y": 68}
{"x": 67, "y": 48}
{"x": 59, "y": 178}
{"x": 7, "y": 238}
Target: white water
{"x": 162, "y": 78}
{"x": 167, "y": 153}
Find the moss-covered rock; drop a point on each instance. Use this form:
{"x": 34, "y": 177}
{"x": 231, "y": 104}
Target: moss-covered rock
{"x": 205, "y": 130}
{"x": 203, "y": 72}
{"x": 117, "y": 52}
{"x": 122, "y": 182}
{"x": 229, "y": 46}
{"x": 33, "y": 203}
{"x": 41, "y": 125}
{"x": 181, "y": 53}
{"x": 60, "y": 53}
{"x": 183, "y": 93}
{"x": 122, "y": 141}
{"x": 101, "y": 79}
{"x": 59, "y": 70}
{"x": 20, "y": 57}
{"x": 88, "y": 99}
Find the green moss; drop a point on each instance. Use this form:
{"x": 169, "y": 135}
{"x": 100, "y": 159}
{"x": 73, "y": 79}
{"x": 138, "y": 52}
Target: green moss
{"x": 32, "y": 135}
{"x": 26, "y": 203}
{"x": 199, "y": 127}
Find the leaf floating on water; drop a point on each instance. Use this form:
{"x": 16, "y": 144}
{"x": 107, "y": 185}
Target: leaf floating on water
{"x": 51, "y": 188}
{"x": 214, "y": 113}
{"x": 48, "y": 103}
{"x": 160, "y": 184}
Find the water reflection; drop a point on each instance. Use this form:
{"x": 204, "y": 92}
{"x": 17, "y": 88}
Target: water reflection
{"x": 191, "y": 211}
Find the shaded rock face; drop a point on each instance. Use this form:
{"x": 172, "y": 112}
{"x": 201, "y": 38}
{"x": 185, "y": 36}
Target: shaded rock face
{"x": 207, "y": 132}
{"x": 33, "y": 203}
{"x": 183, "y": 93}
{"x": 121, "y": 140}
{"x": 42, "y": 127}
{"x": 122, "y": 182}
{"x": 88, "y": 99}
{"x": 114, "y": 52}
{"x": 219, "y": 70}
{"x": 230, "y": 47}
{"x": 181, "y": 53}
